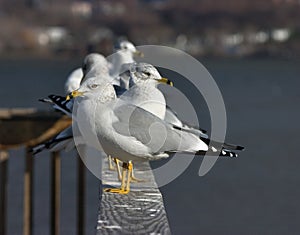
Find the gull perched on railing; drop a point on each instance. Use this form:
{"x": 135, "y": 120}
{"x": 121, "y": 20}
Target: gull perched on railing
{"x": 138, "y": 80}
{"x": 143, "y": 93}
{"x": 135, "y": 112}
{"x": 129, "y": 132}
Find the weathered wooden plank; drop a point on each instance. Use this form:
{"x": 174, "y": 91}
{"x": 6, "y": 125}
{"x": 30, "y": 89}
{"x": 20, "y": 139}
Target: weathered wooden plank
{"x": 3, "y": 190}
{"x": 55, "y": 193}
{"x": 19, "y": 126}
{"x": 139, "y": 212}
{"x": 9, "y": 112}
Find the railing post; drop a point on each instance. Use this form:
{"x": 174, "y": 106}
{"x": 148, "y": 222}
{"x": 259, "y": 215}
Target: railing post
{"x": 55, "y": 193}
{"x": 28, "y": 193}
{"x": 80, "y": 196}
{"x": 3, "y": 190}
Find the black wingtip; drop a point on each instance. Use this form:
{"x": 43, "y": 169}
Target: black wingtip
{"x": 52, "y": 96}
{"x": 240, "y": 148}
{"x": 44, "y": 100}
{"x": 202, "y": 130}
{"x": 32, "y": 151}
{"x": 227, "y": 153}
{"x": 233, "y": 147}
{"x": 56, "y": 97}
{"x": 223, "y": 153}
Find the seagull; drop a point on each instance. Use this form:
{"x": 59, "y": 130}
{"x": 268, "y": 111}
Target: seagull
{"x": 118, "y": 118}
{"x": 125, "y": 52}
{"x": 143, "y": 79}
{"x": 73, "y": 80}
{"x": 138, "y": 77}
{"x": 94, "y": 64}
{"x": 129, "y": 132}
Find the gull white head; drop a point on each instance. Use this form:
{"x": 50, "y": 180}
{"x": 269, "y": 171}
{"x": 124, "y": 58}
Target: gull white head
{"x": 94, "y": 64}
{"x": 143, "y": 72}
{"x": 125, "y": 53}
{"x": 129, "y": 48}
{"x": 96, "y": 88}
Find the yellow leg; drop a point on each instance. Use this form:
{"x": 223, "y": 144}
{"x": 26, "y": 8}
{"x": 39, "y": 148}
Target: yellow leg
{"x": 118, "y": 168}
{"x": 125, "y": 184}
{"x": 112, "y": 168}
{"x": 129, "y": 173}
{"x": 110, "y": 165}
{"x": 133, "y": 178}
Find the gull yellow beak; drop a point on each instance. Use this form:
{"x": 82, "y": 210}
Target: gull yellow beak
{"x": 68, "y": 97}
{"x": 166, "y": 81}
{"x": 139, "y": 54}
{"x": 74, "y": 94}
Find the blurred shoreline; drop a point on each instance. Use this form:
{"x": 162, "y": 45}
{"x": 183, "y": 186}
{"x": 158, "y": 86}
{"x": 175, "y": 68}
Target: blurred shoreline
{"x": 213, "y": 29}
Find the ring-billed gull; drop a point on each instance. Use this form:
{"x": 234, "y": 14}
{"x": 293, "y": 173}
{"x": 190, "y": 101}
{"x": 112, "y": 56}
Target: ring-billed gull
{"x": 143, "y": 92}
{"x": 125, "y": 52}
{"x": 143, "y": 79}
{"x": 129, "y": 132}
{"x": 134, "y": 74}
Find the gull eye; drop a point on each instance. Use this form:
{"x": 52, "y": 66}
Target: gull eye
{"x": 147, "y": 74}
{"x": 94, "y": 86}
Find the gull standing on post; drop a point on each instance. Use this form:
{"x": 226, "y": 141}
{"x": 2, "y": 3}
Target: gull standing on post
{"x": 129, "y": 132}
{"x": 140, "y": 97}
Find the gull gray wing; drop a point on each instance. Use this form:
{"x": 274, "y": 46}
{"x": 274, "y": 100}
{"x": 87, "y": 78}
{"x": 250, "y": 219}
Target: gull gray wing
{"x": 153, "y": 132}
{"x": 172, "y": 118}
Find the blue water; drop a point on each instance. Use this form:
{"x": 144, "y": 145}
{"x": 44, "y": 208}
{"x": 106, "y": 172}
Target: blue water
{"x": 258, "y": 193}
